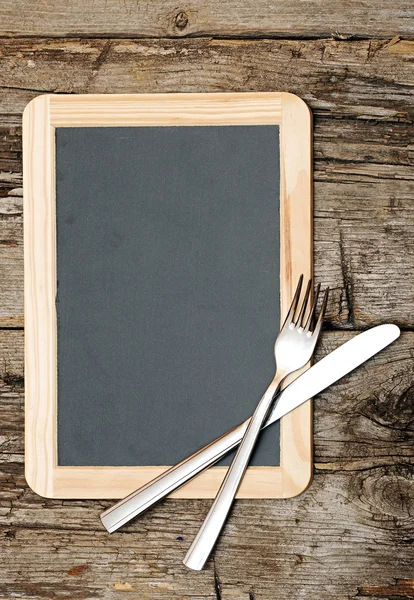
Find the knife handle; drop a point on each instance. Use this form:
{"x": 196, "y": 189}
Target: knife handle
{"x": 139, "y": 501}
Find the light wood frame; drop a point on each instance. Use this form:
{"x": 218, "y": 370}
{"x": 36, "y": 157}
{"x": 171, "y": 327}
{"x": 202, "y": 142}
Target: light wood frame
{"x": 41, "y": 117}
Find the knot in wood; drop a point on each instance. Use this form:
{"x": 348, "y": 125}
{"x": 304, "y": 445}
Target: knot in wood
{"x": 181, "y": 20}
{"x": 388, "y": 491}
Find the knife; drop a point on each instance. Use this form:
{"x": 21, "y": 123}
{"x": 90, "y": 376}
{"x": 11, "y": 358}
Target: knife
{"x": 323, "y": 374}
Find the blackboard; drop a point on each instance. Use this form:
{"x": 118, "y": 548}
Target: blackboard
{"x": 164, "y": 235}
{"x": 168, "y": 289}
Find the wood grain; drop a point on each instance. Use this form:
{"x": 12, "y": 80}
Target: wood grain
{"x": 357, "y": 79}
{"x": 350, "y": 535}
{"x": 11, "y": 259}
{"x": 296, "y": 259}
{"x": 347, "y": 536}
{"x": 164, "y": 18}
{"x": 123, "y": 110}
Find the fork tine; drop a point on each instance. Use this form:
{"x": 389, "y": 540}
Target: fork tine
{"x": 300, "y": 319}
{"x": 312, "y": 310}
{"x": 294, "y": 305}
{"x": 318, "y": 325}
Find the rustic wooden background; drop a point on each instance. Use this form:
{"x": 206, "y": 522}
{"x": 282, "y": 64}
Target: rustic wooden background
{"x": 351, "y": 534}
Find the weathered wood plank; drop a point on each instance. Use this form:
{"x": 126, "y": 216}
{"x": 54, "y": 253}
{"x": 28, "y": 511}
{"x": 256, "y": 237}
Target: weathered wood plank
{"x": 348, "y": 536}
{"x": 364, "y": 249}
{"x": 10, "y": 149}
{"x": 11, "y": 386}
{"x": 163, "y": 18}
{"x": 11, "y": 358}
{"x": 367, "y": 419}
{"x": 11, "y": 261}
{"x": 359, "y": 150}
{"x": 363, "y": 79}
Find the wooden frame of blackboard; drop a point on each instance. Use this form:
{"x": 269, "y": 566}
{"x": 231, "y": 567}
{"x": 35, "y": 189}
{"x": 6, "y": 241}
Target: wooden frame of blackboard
{"x": 41, "y": 117}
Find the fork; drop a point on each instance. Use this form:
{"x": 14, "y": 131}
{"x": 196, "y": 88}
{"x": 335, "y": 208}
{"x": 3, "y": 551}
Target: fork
{"x": 294, "y": 347}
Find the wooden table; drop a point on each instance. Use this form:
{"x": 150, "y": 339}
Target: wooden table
{"x": 350, "y": 535}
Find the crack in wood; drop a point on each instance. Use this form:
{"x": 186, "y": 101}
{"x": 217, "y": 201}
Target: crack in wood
{"x": 14, "y": 381}
{"x": 357, "y": 468}
{"x": 217, "y": 583}
{"x": 347, "y": 280}
{"x": 100, "y": 60}
{"x": 103, "y": 56}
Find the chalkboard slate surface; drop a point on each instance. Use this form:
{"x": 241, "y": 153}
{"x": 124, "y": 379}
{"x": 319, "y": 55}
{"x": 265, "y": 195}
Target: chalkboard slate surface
{"x": 168, "y": 289}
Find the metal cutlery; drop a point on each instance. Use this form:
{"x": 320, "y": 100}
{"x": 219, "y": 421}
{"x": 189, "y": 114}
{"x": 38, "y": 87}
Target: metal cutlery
{"x": 324, "y": 373}
{"x": 294, "y": 347}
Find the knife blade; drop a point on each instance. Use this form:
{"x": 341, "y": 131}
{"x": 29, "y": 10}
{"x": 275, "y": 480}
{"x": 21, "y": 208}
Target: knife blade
{"x": 324, "y": 373}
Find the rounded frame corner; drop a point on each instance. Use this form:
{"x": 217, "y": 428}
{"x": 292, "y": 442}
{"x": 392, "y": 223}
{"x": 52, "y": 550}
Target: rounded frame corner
{"x": 296, "y": 103}
{"x": 42, "y": 100}
{"x": 292, "y": 490}
{"x": 40, "y": 490}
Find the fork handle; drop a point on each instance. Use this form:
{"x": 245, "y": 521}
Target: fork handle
{"x": 207, "y": 536}
{"x": 139, "y": 501}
